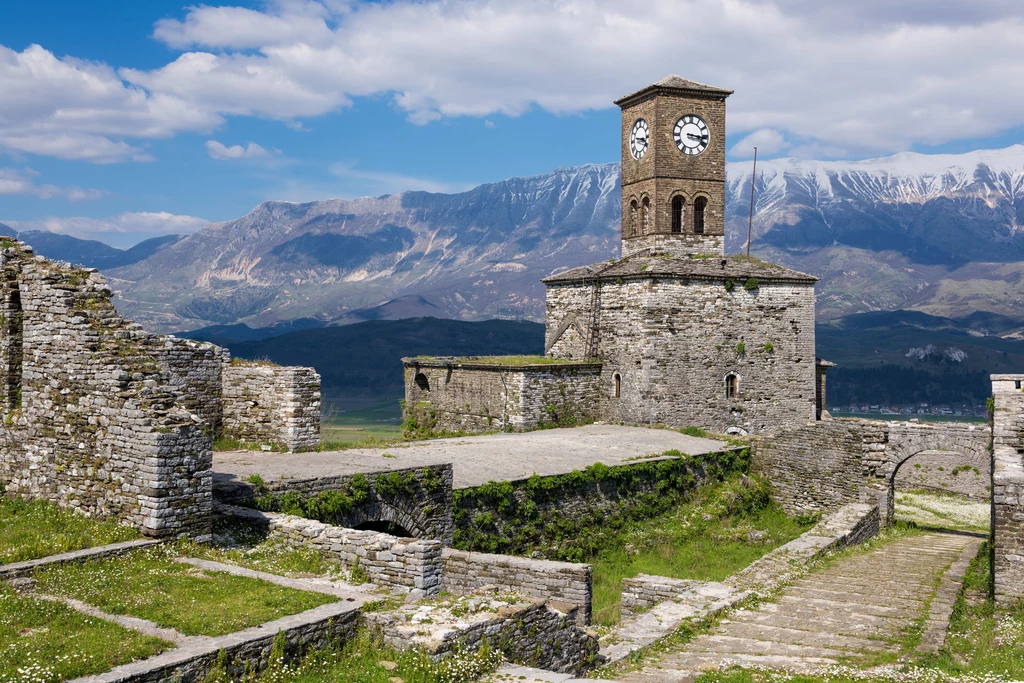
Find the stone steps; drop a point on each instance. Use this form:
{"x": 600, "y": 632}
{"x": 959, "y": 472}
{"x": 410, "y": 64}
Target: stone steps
{"x": 856, "y": 607}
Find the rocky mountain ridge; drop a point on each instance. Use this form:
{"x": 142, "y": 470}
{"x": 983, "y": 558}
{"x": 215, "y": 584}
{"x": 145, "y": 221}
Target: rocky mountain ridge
{"x": 934, "y": 233}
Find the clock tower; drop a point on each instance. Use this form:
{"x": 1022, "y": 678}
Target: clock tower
{"x": 673, "y": 169}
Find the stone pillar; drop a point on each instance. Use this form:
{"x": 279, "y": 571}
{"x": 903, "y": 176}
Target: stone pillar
{"x": 1008, "y": 488}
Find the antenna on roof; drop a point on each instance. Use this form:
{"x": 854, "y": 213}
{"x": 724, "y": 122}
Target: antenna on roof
{"x": 750, "y": 221}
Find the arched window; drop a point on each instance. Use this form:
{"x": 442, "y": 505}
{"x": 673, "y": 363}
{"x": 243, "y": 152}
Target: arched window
{"x": 700, "y": 204}
{"x": 732, "y": 385}
{"x": 678, "y": 206}
{"x": 632, "y": 219}
{"x": 618, "y": 385}
{"x": 647, "y": 215}
{"x": 421, "y": 381}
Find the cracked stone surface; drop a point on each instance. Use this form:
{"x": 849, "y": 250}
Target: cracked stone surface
{"x": 856, "y": 607}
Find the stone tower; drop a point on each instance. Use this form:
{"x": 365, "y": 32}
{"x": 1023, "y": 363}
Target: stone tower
{"x": 673, "y": 169}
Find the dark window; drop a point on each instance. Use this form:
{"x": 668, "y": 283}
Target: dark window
{"x": 678, "y": 204}
{"x": 699, "y": 205}
{"x": 618, "y": 385}
{"x": 732, "y": 386}
{"x": 632, "y": 219}
{"x": 421, "y": 381}
{"x": 647, "y": 215}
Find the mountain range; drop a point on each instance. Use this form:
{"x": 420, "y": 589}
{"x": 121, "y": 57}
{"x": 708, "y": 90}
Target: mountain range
{"x": 939, "y": 234}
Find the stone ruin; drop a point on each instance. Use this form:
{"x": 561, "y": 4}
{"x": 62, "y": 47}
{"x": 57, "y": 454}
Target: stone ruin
{"x": 103, "y": 417}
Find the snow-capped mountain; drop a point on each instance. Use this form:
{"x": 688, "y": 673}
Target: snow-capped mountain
{"x": 936, "y": 233}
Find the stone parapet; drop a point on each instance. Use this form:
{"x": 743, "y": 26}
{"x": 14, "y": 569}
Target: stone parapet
{"x": 404, "y": 563}
{"x": 272, "y": 404}
{"x": 467, "y": 572}
{"x": 1008, "y": 487}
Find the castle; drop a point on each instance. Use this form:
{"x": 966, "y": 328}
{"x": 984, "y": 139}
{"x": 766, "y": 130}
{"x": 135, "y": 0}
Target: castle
{"x": 673, "y": 332}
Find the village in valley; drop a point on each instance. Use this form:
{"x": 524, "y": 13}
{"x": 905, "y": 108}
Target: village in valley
{"x": 661, "y": 493}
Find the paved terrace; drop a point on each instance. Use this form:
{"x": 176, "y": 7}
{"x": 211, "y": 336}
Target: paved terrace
{"x": 475, "y": 459}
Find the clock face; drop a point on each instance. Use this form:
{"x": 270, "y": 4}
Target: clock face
{"x": 638, "y": 139}
{"x": 691, "y": 134}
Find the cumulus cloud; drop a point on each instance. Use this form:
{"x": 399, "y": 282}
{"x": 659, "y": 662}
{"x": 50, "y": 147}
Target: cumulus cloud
{"x": 767, "y": 141}
{"x": 849, "y": 78}
{"x": 217, "y": 150}
{"x": 15, "y": 182}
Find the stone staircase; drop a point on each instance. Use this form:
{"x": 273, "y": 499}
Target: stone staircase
{"x": 858, "y": 607}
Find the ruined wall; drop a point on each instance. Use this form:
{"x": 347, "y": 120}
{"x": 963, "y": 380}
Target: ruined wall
{"x": 405, "y": 563}
{"x": 946, "y": 472}
{"x": 417, "y": 499}
{"x": 462, "y": 395}
{"x": 672, "y": 341}
{"x": 195, "y": 369}
{"x": 466, "y": 573}
{"x": 96, "y": 424}
{"x": 823, "y": 465}
{"x": 269, "y": 404}
{"x": 1008, "y": 488}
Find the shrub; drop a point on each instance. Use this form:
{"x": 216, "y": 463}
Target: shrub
{"x": 751, "y": 284}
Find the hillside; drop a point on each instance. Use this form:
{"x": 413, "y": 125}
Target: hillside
{"x": 895, "y": 358}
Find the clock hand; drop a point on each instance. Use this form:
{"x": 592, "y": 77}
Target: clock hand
{"x": 696, "y": 137}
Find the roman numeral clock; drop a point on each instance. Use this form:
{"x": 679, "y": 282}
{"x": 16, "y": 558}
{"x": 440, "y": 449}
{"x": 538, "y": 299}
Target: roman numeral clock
{"x": 673, "y": 168}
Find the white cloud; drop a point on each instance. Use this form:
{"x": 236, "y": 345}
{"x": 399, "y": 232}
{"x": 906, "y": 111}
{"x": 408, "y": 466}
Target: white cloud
{"x": 15, "y": 182}
{"x": 217, "y": 150}
{"x": 123, "y": 229}
{"x": 767, "y": 141}
{"x": 863, "y": 77}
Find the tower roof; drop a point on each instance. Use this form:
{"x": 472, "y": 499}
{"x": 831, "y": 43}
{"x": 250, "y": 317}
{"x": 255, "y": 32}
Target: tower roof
{"x": 676, "y": 85}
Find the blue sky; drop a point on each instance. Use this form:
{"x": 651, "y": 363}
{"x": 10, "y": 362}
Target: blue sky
{"x": 132, "y": 119}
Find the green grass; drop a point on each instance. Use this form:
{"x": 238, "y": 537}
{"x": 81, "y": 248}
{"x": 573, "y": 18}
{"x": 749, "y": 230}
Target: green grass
{"x": 150, "y": 585}
{"x": 30, "y": 530}
{"x": 366, "y": 659}
{"x": 705, "y": 539}
{"x": 47, "y": 641}
{"x": 241, "y": 545}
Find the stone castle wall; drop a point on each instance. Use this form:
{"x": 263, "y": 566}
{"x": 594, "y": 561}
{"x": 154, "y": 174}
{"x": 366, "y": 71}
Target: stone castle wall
{"x": 404, "y": 563}
{"x": 96, "y": 424}
{"x": 466, "y": 572}
{"x": 196, "y": 369}
{"x": 821, "y": 466}
{"x": 264, "y": 403}
{"x": 417, "y": 499}
{"x": 460, "y": 395}
{"x": 673, "y": 341}
{"x": 1008, "y": 488}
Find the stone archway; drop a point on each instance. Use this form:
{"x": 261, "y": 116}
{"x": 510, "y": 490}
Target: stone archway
{"x": 967, "y": 443}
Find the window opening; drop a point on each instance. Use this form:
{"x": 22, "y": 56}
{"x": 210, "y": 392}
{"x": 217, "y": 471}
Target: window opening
{"x": 699, "y": 206}
{"x": 678, "y": 206}
{"x": 732, "y": 385}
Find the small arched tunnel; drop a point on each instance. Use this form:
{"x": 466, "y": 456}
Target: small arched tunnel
{"x": 384, "y": 526}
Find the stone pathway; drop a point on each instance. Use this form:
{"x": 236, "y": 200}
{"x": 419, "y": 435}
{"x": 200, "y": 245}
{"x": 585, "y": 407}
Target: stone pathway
{"x": 857, "y": 607}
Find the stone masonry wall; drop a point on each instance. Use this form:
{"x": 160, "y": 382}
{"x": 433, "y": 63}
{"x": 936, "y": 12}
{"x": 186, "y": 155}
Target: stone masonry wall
{"x": 542, "y": 634}
{"x": 195, "y": 369}
{"x": 96, "y": 424}
{"x": 1008, "y": 488}
{"x": 946, "y": 472}
{"x": 417, "y": 499}
{"x": 466, "y": 573}
{"x": 823, "y": 465}
{"x": 270, "y": 404}
{"x": 459, "y": 395}
{"x": 673, "y": 341}
{"x": 405, "y": 563}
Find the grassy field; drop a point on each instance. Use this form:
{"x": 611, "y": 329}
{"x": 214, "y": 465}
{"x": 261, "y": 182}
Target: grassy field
{"x": 944, "y": 511}
{"x": 708, "y": 539}
{"x": 43, "y": 641}
{"x": 30, "y": 530}
{"x": 149, "y": 584}
{"x": 350, "y": 422}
